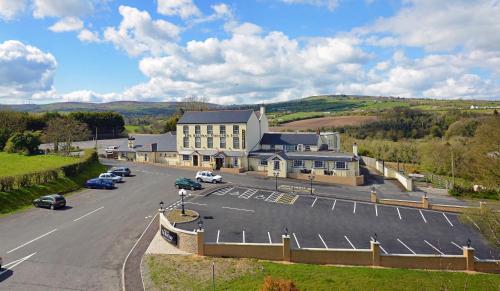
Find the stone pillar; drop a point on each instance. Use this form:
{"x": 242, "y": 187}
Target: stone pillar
{"x": 425, "y": 202}
{"x": 375, "y": 248}
{"x": 200, "y": 239}
{"x": 469, "y": 258}
{"x": 286, "y": 248}
{"x": 373, "y": 196}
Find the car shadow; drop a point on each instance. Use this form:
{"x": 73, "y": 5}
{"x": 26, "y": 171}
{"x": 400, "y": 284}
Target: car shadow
{"x": 131, "y": 175}
{"x": 5, "y": 274}
{"x": 67, "y": 207}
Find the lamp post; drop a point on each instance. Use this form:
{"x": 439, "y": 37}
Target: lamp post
{"x": 311, "y": 178}
{"x": 276, "y": 174}
{"x": 469, "y": 242}
{"x": 182, "y": 193}
{"x": 200, "y": 224}
{"x": 161, "y": 207}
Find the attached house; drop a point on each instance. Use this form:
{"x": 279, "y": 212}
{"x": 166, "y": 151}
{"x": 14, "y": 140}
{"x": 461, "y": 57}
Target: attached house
{"x": 149, "y": 148}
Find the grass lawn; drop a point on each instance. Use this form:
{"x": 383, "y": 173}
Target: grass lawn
{"x": 175, "y": 272}
{"x": 21, "y": 199}
{"x": 16, "y": 164}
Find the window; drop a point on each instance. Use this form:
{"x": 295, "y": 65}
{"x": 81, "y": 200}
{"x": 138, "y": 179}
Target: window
{"x": 185, "y": 157}
{"x": 197, "y": 142}
{"x": 206, "y": 158}
{"x": 185, "y": 129}
{"x": 210, "y": 142}
{"x": 243, "y": 139}
{"x": 319, "y": 164}
{"x": 291, "y": 147}
{"x": 222, "y": 142}
{"x": 263, "y": 162}
{"x": 236, "y": 129}
{"x": 341, "y": 165}
{"x": 235, "y": 162}
{"x": 210, "y": 129}
{"x": 186, "y": 142}
{"x": 276, "y": 165}
{"x": 308, "y": 148}
{"x": 298, "y": 163}
{"x": 236, "y": 142}
{"x": 222, "y": 129}
{"x": 197, "y": 129}
{"x": 272, "y": 147}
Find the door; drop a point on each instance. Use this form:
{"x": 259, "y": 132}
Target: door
{"x": 195, "y": 160}
{"x": 218, "y": 163}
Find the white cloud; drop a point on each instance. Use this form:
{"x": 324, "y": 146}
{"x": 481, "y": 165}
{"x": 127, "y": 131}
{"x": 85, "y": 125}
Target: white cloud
{"x": 9, "y": 9}
{"x": 61, "y": 8}
{"x": 330, "y": 4}
{"x": 67, "y": 24}
{"x": 138, "y": 33}
{"x": 182, "y": 8}
{"x": 88, "y": 36}
{"x": 24, "y": 70}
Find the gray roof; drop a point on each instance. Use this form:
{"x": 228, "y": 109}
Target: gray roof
{"x": 316, "y": 156}
{"x": 290, "y": 138}
{"x": 221, "y": 116}
{"x": 166, "y": 142}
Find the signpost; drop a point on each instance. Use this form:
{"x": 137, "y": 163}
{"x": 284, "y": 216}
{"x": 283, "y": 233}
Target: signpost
{"x": 169, "y": 236}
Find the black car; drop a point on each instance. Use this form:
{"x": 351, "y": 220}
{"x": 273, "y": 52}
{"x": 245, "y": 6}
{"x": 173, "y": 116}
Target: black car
{"x": 120, "y": 171}
{"x": 50, "y": 201}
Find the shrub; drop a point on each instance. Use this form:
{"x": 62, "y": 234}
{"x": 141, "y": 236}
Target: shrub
{"x": 271, "y": 284}
{"x": 461, "y": 191}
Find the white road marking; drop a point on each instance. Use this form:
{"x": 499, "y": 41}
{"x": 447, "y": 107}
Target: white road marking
{"x": 477, "y": 226}
{"x": 243, "y": 236}
{"x": 32, "y": 241}
{"x": 195, "y": 203}
{"x": 89, "y": 213}
{"x": 447, "y": 219}
{"x": 354, "y": 210}
{"x": 406, "y": 246}
{"x": 376, "y": 210}
{"x": 423, "y": 217}
{"x": 269, "y": 236}
{"x": 324, "y": 243}
{"x": 218, "y": 233}
{"x": 334, "y": 202}
{"x": 296, "y": 240}
{"x": 238, "y": 209}
{"x": 248, "y": 193}
{"x": 350, "y": 242}
{"x": 380, "y": 246}
{"x": 453, "y": 243}
{"x": 399, "y": 213}
{"x": 436, "y": 249}
{"x": 274, "y": 197}
{"x": 15, "y": 263}
{"x": 312, "y": 205}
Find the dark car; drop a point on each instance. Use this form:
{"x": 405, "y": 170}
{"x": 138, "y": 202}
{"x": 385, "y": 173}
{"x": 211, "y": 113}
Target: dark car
{"x": 185, "y": 183}
{"x": 100, "y": 184}
{"x": 120, "y": 171}
{"x": 50, "y": 201}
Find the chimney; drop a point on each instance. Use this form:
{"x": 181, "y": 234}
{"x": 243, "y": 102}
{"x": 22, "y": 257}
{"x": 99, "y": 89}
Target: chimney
{"x": 355, "y": 149}
{"x": 262, "y": 110}
{"x": 131, "y": 142}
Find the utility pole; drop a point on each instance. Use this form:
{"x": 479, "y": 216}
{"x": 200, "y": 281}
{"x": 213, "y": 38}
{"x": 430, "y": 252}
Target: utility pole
{"x": 96, "y": 138}
{"x": 452, "y": 169}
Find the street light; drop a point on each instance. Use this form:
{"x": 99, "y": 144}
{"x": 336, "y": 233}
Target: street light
{"x": 311, "y": 178}
{"x": 200, "y": 224}
{"x": 285, "y": 231}
{"x": 469, "y": 242}
{"x": 161, "y": 207}
{"x": 182, "y": 193}
{"x": 375, "y": 237}
{"x": 276, "y": 174}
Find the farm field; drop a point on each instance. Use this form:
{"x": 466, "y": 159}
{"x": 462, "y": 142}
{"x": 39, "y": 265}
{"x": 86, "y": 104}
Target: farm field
{"x": 15, "y": 164}
{"x": 330, "y": 121}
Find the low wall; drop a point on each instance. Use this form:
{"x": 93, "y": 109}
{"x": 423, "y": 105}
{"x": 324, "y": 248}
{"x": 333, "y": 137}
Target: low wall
{"x": 344, "y": 180}
{"x": 186, "y": 240}
{"x": 273, "y": 252}
{"x": 332, "y": 256}
{"x": 487, "y": 266}
{"x": 448, "y": 208}
{"x": 430, "y": 262}
{"x": 405, "y": 181}
{"x": 232, "y": 170}
{"x": 398, "y": 202}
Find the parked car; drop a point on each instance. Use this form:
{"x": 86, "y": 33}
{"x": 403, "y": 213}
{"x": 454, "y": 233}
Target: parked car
{"x": 207, "y": 176}
{"x": 111, "y": 176}
{"x": 1, "y": 263}
{"x": 100, "y": 184}
{"x": 186, "y": 183}
{"x": 120, "y": 171}
{"x": 50, "y": 201}
{"x": 111, "y": 149}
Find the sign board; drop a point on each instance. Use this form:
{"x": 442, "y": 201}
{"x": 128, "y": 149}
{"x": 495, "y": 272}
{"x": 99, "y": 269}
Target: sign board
{"x": 168, "y": 235}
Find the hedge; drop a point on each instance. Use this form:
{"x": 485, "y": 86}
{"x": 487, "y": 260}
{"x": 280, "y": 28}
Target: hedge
{"x": 10, "y": 183}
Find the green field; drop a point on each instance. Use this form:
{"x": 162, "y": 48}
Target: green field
{"x": 171, "y": 272}
{"x": 15, "y": 164}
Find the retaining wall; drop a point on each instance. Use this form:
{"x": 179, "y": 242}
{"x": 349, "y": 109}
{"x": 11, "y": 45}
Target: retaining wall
{"x": 332, "y": 256}
{"x": 273, "y": 252}
{"x": 407, "y": 182}
{"x": 345, "y": 180}
{"x": 186, "y": 240}
{"x": 430, "y": 262}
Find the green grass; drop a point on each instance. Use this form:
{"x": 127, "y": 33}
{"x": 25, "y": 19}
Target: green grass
{"x": 20, "y": 199}
{"x": 16, "y": 164}
{"x": 193, "y": 273}
{"x": 135, "y": 128}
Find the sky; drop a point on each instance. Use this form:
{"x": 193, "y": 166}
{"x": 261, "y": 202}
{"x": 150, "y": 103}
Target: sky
{"x": 247, "y": 51}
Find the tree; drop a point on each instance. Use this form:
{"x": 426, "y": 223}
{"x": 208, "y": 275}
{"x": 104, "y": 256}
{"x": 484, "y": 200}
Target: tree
{"x": 65, "y": 131}
{"x": 10, "y": 123}
{"x": 192, "y": 103}
{"x": 171, "y": 123}
{"x": 26, "y": 143}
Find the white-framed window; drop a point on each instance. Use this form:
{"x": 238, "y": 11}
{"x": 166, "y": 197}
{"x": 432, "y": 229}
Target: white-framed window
{"x": 319, "y": 164}
{"x": 307, "y": 148}
{"x": 243, "y": 139}
{"x": 341, "y": 165}
{"x": 276, "y": 165}
{"x": 185, "y": 142}
{"x": 185, "y": 157}
{"x": 197, "y": 129}
{"x": 291, "y": 147}
{"x": 206, "y": 158}
{"x": 197, "y": 142}
{"x": 222, "y": 142}
{"x": 298, "y": 163}
{"x": 263, "y": 162}
{"x": 235, "y": 162}
{"x": 210, "y": 129}
{"x": 236, "y": 129}
{"x": 185, "y": 129}
{"x": 222, "y": 129}
{"x": 210, "y": 142}
{"x": 236, "y": 142}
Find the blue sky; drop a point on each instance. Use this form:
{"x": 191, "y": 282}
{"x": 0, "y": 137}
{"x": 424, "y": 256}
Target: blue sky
{"x": 246, "y": 51}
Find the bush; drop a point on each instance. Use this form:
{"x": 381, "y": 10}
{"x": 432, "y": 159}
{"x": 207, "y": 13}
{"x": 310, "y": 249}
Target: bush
{"x": 460, "y": 191}
{"x": 26, "y": 143}
{"x": 271, "y": 284}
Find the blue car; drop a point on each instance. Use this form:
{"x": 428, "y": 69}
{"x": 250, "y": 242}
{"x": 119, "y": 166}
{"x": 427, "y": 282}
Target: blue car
{"x": 100, "y": 184}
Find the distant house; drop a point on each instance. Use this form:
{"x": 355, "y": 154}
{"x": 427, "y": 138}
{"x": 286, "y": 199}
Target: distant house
{"x": 152, "y": 148}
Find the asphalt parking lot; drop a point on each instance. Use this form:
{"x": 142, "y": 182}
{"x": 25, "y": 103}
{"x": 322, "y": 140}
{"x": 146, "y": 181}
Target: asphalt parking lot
{"x": 242, "y": 214}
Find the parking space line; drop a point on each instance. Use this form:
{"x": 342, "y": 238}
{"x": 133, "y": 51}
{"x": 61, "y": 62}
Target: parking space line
{"x": 350, "y": 242}
{"x": 15, "y": 263}
{"x": 37, "y": 238}
{"x": 296, "y": 240}
{"x": 376, "y": 210}
{"x": 238, "y": 209}
{"x": 473, "y": 222}
{"x": 243, "y": 236}
{"x": 269, "y": 236}
{"x": 312, "y": 205}
{"x": 354, "y": 210}
{"x": 406, "y": 246}
{"x": 88, "y": 213}
{"x": 379, "y": 245}
{"x": 399, "y": 213}
{"x": 423, "y": 217}
{"x": 447, "y": 219}
{"x": 436, "y": 249}
{"x": 453, "y": 243}
{"x": 248, "y": 193}
{"x": 334, "y": 202}
{"x": 273, "y": 197}
{"x": 322, "y": 241}
{"x": 218, "y": 233}
{"x": 195, "y": 203}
